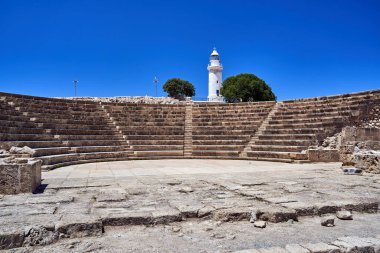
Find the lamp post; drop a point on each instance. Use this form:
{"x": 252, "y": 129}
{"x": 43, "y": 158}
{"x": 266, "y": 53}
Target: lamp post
{"x": 155, "y": 81}
{"x": 75, "y": 87}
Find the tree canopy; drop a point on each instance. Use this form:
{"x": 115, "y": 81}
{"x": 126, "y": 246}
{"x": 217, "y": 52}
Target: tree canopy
{"x": 178, "y": 88}
{"x": 246, "y": 88}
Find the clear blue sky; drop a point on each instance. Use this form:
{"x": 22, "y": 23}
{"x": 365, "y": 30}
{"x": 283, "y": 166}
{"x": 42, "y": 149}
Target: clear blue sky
{"x": 302, "y": 48}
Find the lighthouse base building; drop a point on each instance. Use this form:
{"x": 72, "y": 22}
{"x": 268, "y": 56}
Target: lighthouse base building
{"x": 214, "y": 78}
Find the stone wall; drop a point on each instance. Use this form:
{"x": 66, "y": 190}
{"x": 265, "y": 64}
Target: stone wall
{"x": 323, "y": 155}
{"x": 372, "y": 117}
{"x": 19, "y": 175}
{"x": 133, "y": 100}
{"x": 360, "y": 147}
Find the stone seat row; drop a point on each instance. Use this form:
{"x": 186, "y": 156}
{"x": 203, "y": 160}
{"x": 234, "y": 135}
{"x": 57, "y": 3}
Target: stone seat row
{"x": 350, "y": 96}
{"x": 92, "y": 131}
{"x": 326, "y": 106}
{"x": 59, "y": 138}
{"x": 152, "y": 131}
{"x": 297, "y": 125}
{"x": 37, "y": 105}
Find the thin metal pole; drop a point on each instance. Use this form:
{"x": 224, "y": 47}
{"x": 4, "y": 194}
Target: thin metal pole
{"x": 155, "y": 81}
{"x": 75, "y": 87}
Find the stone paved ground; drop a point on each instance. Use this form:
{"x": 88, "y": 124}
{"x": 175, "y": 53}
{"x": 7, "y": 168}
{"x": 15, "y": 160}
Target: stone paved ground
{"x": 158, "y": 203}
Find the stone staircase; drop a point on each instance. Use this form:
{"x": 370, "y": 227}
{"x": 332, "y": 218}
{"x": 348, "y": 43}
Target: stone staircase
{"x": 223, "y": 130}
{"x": 153, "y": 131}
{"x": 293, "y": 126}
{"x": 188, "y": 137}
{"x": 260, "y": 130}
{"x": 65, "y": 132}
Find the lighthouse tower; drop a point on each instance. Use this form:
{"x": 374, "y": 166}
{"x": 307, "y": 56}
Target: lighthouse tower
{"x": 214, "y": 77}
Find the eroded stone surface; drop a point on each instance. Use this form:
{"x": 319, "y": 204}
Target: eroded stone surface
{"x": 290, "y": 193}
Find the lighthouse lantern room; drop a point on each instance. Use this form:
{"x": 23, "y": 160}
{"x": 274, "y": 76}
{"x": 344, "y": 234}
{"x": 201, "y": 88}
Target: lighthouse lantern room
{"x": 214, "y": 78}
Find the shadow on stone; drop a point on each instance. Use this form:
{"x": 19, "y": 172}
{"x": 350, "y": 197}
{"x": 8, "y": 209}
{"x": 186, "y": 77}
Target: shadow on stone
{"x": 40, "y": 189}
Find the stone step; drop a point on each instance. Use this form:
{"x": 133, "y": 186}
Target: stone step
{"x": 78, "y": 143}
{"x": 33, "y": 144}
{"x": 62, "y": 164}
{"x": 62, "y": 126}
{"x": 218, "y": 147}
{"x": 83, "y": 131}
{"x": 287, "y": 137}
{"x": 156, "y": 142}
{"x": 333, "y": 103}
{"x": 25, "y": 137}
{"x": 333, "y": 113}
{"x": 243, "y": 106}
{"x": 234, "y": 114}
{"x": 54, "y": 103}
{"x": 51, "y": 151}
{"x": 298, "y": 120}
{"x": 250, "y": 128}
{"x": 146, "y": 119}
{"x": 221, "y": 137}
{"x": 266, "y": 159}
{"x": 20, "y": 130}
{"x": 271, "y": 130}
{"x": 280, "y": 155}
{"x": 223, "y": 132}
{"x": 17, "y": 124}
{"x": 317, "y": 124}
{"x": 87, "y": 137}
{"x": 278, "y": 148}
{"x": 226, "y": 119}
{"x": 19, "y": 118}
{"x": 225, "y": 123}
{"x": 158, "y": 153}
{"x": 135, "y": 124}
{"x": 148, "y": 113}
{"x": 290, "y": 142}
{"x": 70, "y": 121}
{"x": 155, "y": 137}
{"x": 154, "y": 128}
{"x": 10, "y": 112}
{"x": 156, "y": 147}
{"x": 62, "y": 158}
{"x": 90, "y": 149}
{"x": 157, "y": 131}
{"x": 220, "y": 142}
{"x": 145, "y": 113}
{"x": 216, "y": 153}
{"x": 65, "y": 115}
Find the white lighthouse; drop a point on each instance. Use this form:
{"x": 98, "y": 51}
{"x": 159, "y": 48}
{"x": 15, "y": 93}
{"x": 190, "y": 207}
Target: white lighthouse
{"x": 214, "y": 77}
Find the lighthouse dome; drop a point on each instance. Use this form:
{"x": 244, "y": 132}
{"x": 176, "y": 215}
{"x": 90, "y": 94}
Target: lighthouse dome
{"x": 214, "y": 55}
{"x": 214, "y": 52}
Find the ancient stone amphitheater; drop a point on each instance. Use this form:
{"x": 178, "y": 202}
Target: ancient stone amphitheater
{"x": 65, "y": 132}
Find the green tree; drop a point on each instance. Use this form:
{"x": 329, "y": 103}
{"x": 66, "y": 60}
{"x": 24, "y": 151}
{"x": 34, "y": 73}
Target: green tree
{"x": 178, "y": 88}
{"x": 246, "y": 88}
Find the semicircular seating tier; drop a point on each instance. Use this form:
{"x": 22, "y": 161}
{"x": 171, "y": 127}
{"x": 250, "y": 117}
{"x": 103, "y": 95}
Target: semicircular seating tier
{"x": 65, "y": 132}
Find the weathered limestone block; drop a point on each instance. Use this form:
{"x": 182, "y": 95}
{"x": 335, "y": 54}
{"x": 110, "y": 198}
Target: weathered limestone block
{"x": 368, "y": 162}
{"x": 348, "y": 134}
{"x": 21, "y": 176}
{"x": 367, "y": 134}
{"x": 79, "y": 226}
{"x": 323, "y": 155}
{"x": 24, "y": 150}
{"x": 11, "y": 237}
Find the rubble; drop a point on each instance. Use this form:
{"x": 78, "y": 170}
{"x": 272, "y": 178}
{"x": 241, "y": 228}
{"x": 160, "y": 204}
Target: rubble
{"x": 260, "y": 224}
{"x": 23, "y": 150}
{"x": 327, "y": 221}
{"x": 344, "y": 215}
